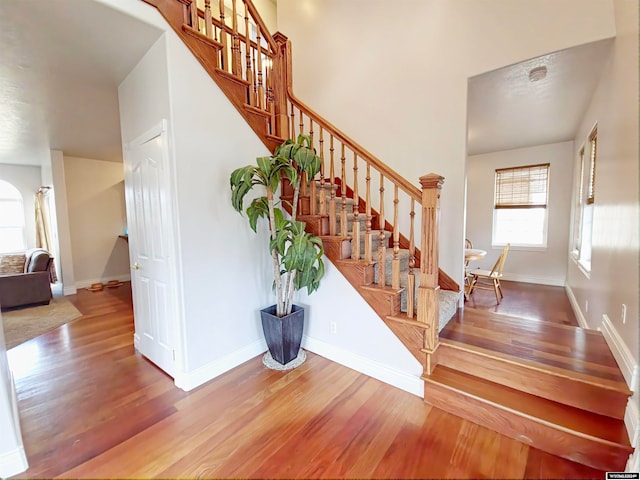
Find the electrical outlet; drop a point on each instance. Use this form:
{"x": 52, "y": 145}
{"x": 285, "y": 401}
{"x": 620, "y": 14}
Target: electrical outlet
{"x": 586, "y": 306}
{"x": 333, "y": 327}
{"x": 623, "y": 314}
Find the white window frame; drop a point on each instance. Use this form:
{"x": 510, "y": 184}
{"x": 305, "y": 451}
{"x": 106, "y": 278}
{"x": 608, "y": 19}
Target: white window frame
{"x": 585, "y": 204}
{"x": 497, "y": 243}
{"x": 13, "y": 199}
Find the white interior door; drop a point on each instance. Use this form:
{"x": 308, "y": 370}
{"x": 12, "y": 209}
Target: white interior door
{"x": 149, "y": 214}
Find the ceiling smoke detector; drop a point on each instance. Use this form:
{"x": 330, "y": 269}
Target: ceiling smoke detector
{"x": 537, "y": 74}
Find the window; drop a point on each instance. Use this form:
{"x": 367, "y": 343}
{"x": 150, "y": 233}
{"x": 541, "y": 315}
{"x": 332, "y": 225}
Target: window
{"x": 585, "y": 203}
{"x": 11, "y": 219}
{"x": 520, "y": 211}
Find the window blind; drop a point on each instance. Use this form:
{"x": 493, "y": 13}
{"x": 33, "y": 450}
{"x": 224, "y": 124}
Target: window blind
{"x": 522, "y": 187}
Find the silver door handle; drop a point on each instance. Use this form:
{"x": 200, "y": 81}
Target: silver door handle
{"x": 135, "y": 266}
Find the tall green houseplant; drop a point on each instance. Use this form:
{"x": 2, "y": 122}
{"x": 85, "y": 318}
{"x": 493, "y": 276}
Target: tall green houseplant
{"x": 296, "y": 254}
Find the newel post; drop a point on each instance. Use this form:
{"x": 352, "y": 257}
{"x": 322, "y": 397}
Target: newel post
{"x": 281, "y": 82}
{"x": 428, "y": 291}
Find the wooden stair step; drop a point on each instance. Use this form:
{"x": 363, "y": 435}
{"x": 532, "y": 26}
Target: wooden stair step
{"x": 588, "y": 438}
{"x": 573, "y": 350}
{"x": 596, "y": 395}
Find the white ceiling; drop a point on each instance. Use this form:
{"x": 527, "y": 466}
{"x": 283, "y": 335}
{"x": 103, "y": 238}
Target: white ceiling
{"x": 60, "y": 64}
{"x": 60, "y": 68}
{"x": 506, "y": 110}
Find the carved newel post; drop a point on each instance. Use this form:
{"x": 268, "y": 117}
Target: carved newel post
{"x": 428, "y": 291}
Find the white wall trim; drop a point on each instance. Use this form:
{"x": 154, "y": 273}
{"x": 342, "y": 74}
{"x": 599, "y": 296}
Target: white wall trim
{"x": 190, "y": 380}
{"x": 621, "y": 353}
{"x": 13, "y": 462}
{"x": 629, "y": 368}
{"x": 576, "y": 308}
{"x": 87, "y": 283}
{"x": 69, "y": 290}
{"x": 519, "y": 277}
{"x": 384, "y": 373}
{"x": 633, "y": 465}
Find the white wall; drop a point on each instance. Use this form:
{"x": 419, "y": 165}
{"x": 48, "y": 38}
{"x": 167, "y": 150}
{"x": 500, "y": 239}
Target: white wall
{"x": 12, "y": 456}
{"x": 395, "y": 79}
{"x": 65, "y": 272}
{"x": 96, "y": 208}
{"x": 613, "y": 280}
{"x": 546, "y": 266}
{"x": 27, "y": 179}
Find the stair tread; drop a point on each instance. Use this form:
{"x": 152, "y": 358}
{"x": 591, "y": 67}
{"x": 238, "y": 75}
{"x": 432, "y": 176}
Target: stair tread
{"x": 569, "y": 418}
{"x": 573, "y": 350}
{"x": 612, "y": 385}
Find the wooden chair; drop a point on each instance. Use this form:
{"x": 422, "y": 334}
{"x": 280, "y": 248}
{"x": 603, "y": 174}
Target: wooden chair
{"x": 490, "y": 280}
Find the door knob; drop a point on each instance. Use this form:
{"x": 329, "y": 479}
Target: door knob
{"x": 135, "y": 266}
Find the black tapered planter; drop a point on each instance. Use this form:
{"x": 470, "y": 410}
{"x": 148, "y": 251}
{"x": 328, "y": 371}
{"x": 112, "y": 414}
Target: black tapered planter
{"x": 283, "y": 334}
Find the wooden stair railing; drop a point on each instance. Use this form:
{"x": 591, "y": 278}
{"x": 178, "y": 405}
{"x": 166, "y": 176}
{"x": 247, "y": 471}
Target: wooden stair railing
{"x": 254, "y": 69}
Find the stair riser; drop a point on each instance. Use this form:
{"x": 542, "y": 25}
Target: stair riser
{"x": 549, "y": 438}
{"x": 568, "y": 391}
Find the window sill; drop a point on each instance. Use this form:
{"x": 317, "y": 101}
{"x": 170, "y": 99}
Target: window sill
{"x": 584, "y": 267}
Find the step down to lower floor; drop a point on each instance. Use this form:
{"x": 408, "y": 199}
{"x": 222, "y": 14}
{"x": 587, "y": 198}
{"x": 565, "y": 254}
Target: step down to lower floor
{"x": 588, "y": 438}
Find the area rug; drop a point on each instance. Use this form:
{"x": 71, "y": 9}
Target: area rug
{"x": 27, "y": 323}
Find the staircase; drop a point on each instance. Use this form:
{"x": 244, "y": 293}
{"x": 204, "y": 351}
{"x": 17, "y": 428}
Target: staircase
{"x": 554, "y": 387}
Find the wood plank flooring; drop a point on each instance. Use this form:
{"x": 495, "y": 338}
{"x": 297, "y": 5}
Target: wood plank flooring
{"x": 91, "y": 407}
{"x": 527, "y": 300}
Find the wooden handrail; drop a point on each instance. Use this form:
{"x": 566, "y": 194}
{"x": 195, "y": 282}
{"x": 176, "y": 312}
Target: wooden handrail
{"x": 388, "y": 172}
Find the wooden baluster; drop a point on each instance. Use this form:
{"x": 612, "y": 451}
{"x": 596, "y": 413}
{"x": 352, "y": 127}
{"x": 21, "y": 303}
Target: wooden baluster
{"x": 313, "y": 193}
{"x": 208, "y": 24}
{"x": 303, "y": 187}
{"x": 355, "y": 247}
{"x": 236, "y": 67}
{"x": 343, "y": 192}
{"x": 254, "y": 54}
{"x": 293, "y": 123}
{"x": 270, "y": 98}
{"x": 247, "y": 54}
{"x": 195, "y": 23}
{"x": 382, "y": 248}
{"x": 428, "y": 291}
{"x": 323, "y": 194}
{"x": 186, "y": 13}
{"x": 224, "y": 54}
{"x": 259, "y": 53}
{"x": 193, "y": 13}
{"x": 395, "y": 265}
{"x": 332, "y": 192}
{"x": 411, "y": 278}
{"x": 367, "y": 234}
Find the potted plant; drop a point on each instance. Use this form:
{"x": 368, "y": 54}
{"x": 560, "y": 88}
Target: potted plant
{"x": 296, "y": 254}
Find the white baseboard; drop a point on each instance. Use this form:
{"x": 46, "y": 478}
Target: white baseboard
{"x": 69, "y": 290}
{"x": 13, "y": 462}
{"x": 519, "y": 277}
{"x": 633, "y": 465}
{"x": 384, "y": 373}
{"x": 87, "y": 283}
{"x": 190, "y": 380}
{"x": 629, "y": 369}
{"x": 576, "y": 308}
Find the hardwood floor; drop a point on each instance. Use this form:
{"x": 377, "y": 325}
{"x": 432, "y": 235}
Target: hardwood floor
{"x": 91, "y": 407}
{"x": 527, "y": 300}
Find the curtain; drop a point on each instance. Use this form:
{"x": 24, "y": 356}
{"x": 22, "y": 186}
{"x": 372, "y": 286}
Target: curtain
{"x": 44, "y": 238}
